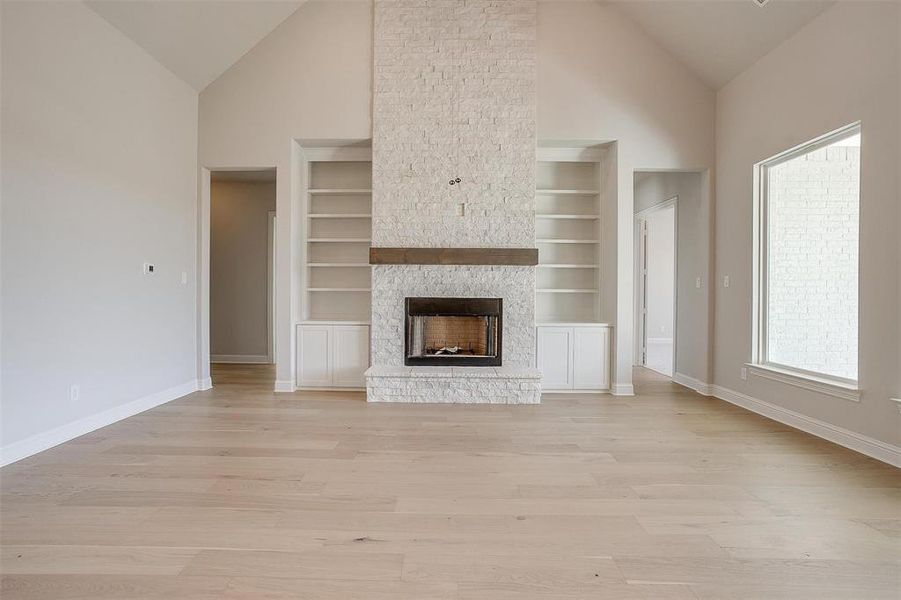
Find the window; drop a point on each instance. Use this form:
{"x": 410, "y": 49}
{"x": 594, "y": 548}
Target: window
{"x": 806, "y": 260}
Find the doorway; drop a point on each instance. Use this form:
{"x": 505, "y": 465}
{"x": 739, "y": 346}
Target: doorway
{"x": 656, "y": 310}
{"x": 242, "y": 281}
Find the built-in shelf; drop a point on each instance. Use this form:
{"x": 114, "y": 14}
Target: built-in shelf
{"x": 341, "y": 216}
{"x": 568, "y": 231}
{"x": 339, "y": 191}
{"x": 568, "y": 266}
{"x": 567, "y": 191}
{"x": 337, "y": 281}
{"x": 338, "y": 265}
{"x": 334, "y": 322}
{"x": 574, "y": 217}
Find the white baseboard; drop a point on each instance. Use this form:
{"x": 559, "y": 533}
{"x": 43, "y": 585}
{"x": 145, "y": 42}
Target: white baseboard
{"x": 843, "y": 437}
{"x": 56, "y": 436}
{"x": 241, "y": 359}
{"x": 284, "y": 386}
{"x": 705, "y": 389}
{"x": 204, "y": 384}
{"x": 622, "y": 389}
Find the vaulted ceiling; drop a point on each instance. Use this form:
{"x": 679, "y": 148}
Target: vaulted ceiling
{"x": 718, "y": 39}
{"x": 198, "y": 40}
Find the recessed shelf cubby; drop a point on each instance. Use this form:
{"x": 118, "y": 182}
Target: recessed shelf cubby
{"x": 569, "y": 203}
{"x": 337, "y": 237}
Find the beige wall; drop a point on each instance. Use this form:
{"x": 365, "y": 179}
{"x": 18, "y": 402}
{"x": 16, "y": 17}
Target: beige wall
{"x": 310, "y": 78}
{"x": 98, "y": 176}
{"x": 285, "y": 89}
{"x": 659, "y": 113}
{"x": 842, "y": 67}
{"x": 239, "y": 272}
{"x": 694, "y": 221}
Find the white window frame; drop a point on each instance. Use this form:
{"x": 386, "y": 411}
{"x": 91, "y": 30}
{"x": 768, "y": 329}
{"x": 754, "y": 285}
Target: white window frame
{"x": 760, "y": 365}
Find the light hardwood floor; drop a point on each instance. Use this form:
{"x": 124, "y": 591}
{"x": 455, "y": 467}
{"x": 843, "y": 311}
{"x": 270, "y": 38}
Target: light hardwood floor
{"x": 240, "y": 493}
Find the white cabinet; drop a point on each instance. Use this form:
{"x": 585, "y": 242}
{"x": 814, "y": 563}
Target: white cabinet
{"x": 555, "y": 357}
{"x": 574, "y": 357}
{"x": 591, "y": 369}
{"x": 350, "y": 355}
{"x": 332, "y": 355}
{"x": 314, "y": 356}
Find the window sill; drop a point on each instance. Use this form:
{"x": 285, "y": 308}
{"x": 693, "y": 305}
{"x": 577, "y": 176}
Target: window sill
{"x": 838, "y": 389}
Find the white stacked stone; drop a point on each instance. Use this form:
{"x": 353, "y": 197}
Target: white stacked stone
{"x": 392, "y": 283}
{"x": 453, "y": 96}
{"x": 453, "y": 385}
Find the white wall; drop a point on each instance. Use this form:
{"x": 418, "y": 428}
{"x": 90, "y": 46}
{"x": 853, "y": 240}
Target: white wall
{"x": 694, "y": 310}
{"x": 312, "y": 78}
{"x": 661, "y": 273}
{"x": 840, "y": 68}
{"x": 239, "y": 271}
{"x": 98, "y": 176}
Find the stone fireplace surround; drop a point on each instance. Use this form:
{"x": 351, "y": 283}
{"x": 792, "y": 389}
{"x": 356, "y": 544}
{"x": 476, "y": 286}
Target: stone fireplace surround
{"x": 453, "y": 97}
{"x": 516, "y": 382}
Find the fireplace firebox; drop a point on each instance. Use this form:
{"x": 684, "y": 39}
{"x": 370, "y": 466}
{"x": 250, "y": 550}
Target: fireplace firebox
{"x": 453, "y": 332}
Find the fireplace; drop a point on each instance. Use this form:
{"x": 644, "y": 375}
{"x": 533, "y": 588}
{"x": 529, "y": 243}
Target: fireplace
{"x": 453, "y": 331}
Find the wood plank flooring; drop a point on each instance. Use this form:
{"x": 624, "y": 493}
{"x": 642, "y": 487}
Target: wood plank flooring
{"x": 240, "y": 493}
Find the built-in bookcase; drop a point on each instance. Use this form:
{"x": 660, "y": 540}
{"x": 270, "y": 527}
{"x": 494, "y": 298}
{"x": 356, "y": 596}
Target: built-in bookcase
{"x": 337, "y": 236}
{"x": 569, "y": 208}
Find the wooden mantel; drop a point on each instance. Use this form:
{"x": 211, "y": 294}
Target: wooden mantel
{"x": 454, "y": 256}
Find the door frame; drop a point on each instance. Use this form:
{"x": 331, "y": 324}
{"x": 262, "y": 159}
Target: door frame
{"x": 270, "y": 286}
{"x": 202, "y": 270}
{"x": 640, "y": 280}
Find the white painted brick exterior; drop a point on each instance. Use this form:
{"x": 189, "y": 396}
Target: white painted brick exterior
{"x": 453, "y": 96}
{"x": 812, "y": 314}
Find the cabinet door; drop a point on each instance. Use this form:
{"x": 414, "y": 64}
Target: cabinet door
{"x": 590, "y": 358}
{"x": 350, "y": 355}
{"x": 315, "y": 357}
{"x": 555, "y": 357}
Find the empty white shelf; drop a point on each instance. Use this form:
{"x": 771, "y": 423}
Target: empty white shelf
{"x": 577, "y": 217}
{"x": 567, "y": 266}
{"x": 339, "y": 191}
{"x": 568, "y": 191}
{"x": 339, "y": 265}
{"x": 340, "y": 216}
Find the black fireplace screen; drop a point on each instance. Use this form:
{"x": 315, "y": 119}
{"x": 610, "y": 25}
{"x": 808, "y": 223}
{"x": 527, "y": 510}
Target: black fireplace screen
{"x": 453, "y": 331}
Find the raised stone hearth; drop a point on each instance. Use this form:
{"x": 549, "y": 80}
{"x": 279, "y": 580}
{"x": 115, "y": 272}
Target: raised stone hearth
{"x": 454, "y": 385}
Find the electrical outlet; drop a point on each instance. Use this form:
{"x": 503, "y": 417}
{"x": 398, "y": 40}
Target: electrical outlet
{"x": 725, "y": 281}
{"x": 74, "y": 393}
{"x": 148, "y": 268}
{"x": 744, "y": 373}
{"x": 698, "y": 282}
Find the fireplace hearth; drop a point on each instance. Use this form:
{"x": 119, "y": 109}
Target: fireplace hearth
{"x": 453, "y": 332}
